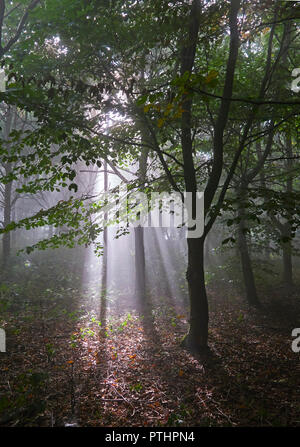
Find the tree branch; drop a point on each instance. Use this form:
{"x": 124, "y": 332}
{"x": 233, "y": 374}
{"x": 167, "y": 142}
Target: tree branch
{"x": 248, "y": 101}
{"x": 20, "y": 27}
{"x": 218, "y": 144}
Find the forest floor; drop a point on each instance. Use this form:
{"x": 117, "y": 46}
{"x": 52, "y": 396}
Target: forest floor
{"x": 67, "y": 365}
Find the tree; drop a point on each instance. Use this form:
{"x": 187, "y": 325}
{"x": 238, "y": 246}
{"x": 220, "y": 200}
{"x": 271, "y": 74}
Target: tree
{"x": 180, "y": 114}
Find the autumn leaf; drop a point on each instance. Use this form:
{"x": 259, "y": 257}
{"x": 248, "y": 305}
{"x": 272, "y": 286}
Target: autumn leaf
{"x": 160, "y": 122}
{"x": 147, "y": 108}
{"x": 211, "y": 76}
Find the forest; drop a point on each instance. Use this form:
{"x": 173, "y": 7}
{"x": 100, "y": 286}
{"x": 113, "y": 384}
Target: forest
{"x": 149, "y": 213}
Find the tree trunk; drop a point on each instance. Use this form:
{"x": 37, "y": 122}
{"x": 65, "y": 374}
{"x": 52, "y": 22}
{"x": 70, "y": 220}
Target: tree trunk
{"x": 6, "y": 242}
{"x": 287, "y": 246}
{"x": 248, "y": 275}
{"x": 207, "y": 251}
{"x": 158, "y": 245}
{"x": 249, "y": 281}
{"x": 103, "y": 296}
{"x": 13, "y": 219}
{"x": 287, "y": 265}
{"x": 140, "y": 275}
{"x": 196, "y": 339}
{"x": 103, "y": 300}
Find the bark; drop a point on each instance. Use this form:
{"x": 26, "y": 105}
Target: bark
{"x": 140, "y": 271}
{"x": 6, "y": 242}
{"x": 140, "y": 275}
{"x": 287, "y": 246}
{"x": 157, "y": 242}
{"x": 21, "y": 25}
{"x": 249, "y": 281}
{"x": 248, "y": 275}
{"x": 208, "y": 257}
{"x": 246, "y": 179}
{"x": 103, "y": 300}
{"x": 103, "y": 297}
{"x": 218, "y": 144}
{"x": 287, "y": 265}
{"x": 285, "y": 228}
{"x": 13, "y": 219}
{"x": 287, "y": 250}
{"x": 197, "y": 337}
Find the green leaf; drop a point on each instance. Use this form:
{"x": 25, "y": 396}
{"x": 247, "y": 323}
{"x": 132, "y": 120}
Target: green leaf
{"x": 73, "y": 186}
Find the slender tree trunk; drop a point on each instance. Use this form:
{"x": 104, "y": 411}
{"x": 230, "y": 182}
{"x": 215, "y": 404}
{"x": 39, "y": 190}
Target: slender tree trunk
{"x": 248, "y": 275}
{"x": 287, "y": 265}
{"x": 196, "y": 339}
{"x": 140, "y": 275}
{"x": 287, "y": 246}
{"x": 285, "y": 228}
{"x": 207, "y": 251}
{"x": 6, "y": 242}
{"x": 103, "y": 296}
{"x": 157, "y": 248}
{"x": 103, "y": 300}
{"x": 13, "y": 219}
{"x": 140, "y": 271}
{"x": 197, "y": 336}
{"x": 287, "y": 251}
